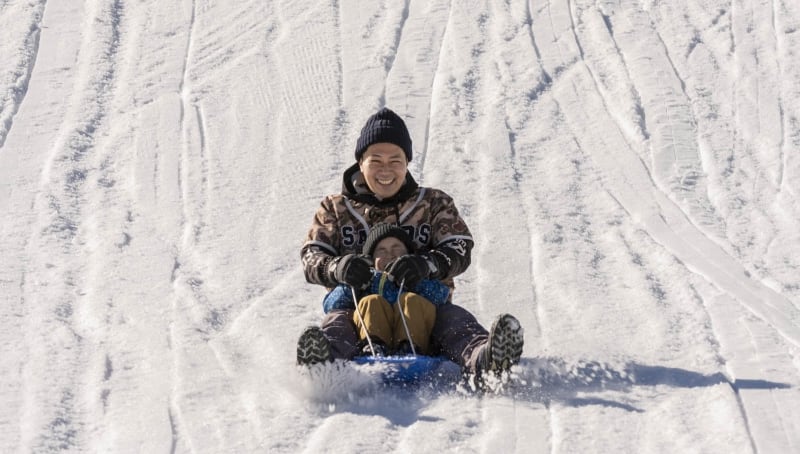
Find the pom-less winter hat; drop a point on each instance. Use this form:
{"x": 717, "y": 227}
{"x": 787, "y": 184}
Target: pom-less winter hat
{"x": 384, "y": 126}
{"x": 379, "y": 232}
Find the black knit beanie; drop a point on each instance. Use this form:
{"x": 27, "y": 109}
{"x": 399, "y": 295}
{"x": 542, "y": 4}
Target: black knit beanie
{"x": 379, "y": 232}
{"x": 384, "y": 126}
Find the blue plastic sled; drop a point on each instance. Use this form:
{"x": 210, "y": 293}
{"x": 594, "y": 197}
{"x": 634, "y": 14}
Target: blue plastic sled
{"x": 408, "y": 369}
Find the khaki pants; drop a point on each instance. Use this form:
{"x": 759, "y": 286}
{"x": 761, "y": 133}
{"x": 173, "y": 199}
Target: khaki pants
{"x": 456, "y": 335}
{"x": 383, "y": 322}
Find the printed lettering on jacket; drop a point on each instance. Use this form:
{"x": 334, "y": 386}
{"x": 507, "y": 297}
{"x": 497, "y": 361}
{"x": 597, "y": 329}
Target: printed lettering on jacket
{"x": 341, "y": 225}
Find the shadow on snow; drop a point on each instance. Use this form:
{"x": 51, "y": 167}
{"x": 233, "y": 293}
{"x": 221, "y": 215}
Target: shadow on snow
{"x": 548, "y": 380}
{"x": 341, "y": 387}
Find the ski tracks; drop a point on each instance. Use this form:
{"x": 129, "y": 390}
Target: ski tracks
{"x": 21, "y": 25}
{"x": 482, "y": 140}
{"x": 410, "y": 83}
{"x": 60, "y": 413}
{"x": 636, "y": 189}
{"x": 230, "y": 186}
{"x": 21, "y": 22}
{"x": 672, "y": 174}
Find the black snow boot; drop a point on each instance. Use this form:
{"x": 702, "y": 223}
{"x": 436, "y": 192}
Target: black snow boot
{"x": 313, "y": 347}
{"x": 504, "y": 347}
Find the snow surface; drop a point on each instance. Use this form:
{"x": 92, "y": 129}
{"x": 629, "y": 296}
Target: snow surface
{"x": 630, "y": 171}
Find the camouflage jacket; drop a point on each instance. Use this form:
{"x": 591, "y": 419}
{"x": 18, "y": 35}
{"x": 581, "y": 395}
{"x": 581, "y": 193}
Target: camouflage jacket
{"x": 342, "y": 222}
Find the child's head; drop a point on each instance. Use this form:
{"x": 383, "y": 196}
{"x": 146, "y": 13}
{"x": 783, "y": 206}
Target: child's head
{"x": 386, "y": 242}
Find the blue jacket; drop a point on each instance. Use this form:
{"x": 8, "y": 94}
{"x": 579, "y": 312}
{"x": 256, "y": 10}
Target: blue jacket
{"x": 341, "y": 297}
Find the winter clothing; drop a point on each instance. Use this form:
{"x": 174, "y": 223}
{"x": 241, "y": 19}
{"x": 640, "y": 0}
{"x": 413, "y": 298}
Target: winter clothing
{"x": 341, "y": 296}
{"x": 379, "y": 317}
{"x": 505, "y": 344}
{"x": 384, "y": 126}
{"x": 439, "y": 234}
{"x": 340, "y": 227}
{"x": 409, "y": 269}
{"x": 434, "y": 291}
{"x": 313, "y": 347}
{"x": 380, "y": 313}
{"x": 382, "y": 231}
{"x": 456, "y": 334}
{"x": 339, "y": 329}
{"x": 338, "y": 298}
{"x": 342, "y": 222}
{"x": 386, "y": 324}
{"x": 351, "y": 269}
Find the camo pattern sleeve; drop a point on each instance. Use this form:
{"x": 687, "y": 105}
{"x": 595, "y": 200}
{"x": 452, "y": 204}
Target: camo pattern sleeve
{"x": 451, "y": 239}
{"x": 429, "y": 216}
{"x": 322, "y": 244}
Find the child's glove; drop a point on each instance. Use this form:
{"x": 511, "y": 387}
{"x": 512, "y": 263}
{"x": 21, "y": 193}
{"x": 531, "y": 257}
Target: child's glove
{"x": 409, "y": 269}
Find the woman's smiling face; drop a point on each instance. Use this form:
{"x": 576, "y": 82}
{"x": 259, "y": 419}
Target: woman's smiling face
{"x": 384, "y": 167}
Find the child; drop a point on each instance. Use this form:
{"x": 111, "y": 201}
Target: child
{"x": 378, "y": 305}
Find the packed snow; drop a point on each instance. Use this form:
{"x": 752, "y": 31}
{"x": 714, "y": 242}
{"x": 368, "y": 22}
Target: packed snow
{"x": 630, "y": 171}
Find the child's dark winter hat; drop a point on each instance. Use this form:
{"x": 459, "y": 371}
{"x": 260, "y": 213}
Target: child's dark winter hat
{"x": 379, "y": 232}
{"x": 384, "y": 126}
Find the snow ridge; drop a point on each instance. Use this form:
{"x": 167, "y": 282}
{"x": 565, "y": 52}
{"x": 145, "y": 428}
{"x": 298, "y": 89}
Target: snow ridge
{"x": 628, "y": 170}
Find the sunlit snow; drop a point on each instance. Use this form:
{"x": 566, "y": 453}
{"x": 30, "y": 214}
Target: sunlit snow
{"x": 630, "y": 172}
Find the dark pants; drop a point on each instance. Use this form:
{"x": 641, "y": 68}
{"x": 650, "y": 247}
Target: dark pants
{"x": 457, "y": 335}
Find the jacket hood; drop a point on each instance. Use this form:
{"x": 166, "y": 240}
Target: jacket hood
{"x": 354, "y": 187}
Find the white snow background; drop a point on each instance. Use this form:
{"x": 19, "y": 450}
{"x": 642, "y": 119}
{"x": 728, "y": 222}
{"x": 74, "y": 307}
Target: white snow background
{"x": 630, "y": 171}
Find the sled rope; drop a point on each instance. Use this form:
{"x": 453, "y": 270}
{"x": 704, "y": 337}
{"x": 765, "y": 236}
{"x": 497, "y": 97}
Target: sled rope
{"x": 403, "y": 318}
{"x": 361, "y": 320}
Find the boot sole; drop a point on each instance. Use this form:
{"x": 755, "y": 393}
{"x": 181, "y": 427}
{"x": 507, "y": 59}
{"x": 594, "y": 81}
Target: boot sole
{"x": 506, "y": 341}
{"x": 313, "y": 347}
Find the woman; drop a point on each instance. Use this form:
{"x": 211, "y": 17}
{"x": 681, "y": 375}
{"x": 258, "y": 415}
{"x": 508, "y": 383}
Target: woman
{"x": 379, "y": 189}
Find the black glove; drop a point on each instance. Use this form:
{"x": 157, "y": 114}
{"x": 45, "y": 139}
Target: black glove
{"x": 351, "y": 269}
{"x": 409, "y": 270}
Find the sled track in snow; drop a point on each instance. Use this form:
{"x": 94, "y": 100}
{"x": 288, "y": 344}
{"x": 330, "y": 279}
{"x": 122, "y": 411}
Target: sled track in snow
{"x": 630, "y": 195}
{"x": 672, "y": 226}
{"x": 62, "y": 234}
{"x": 20, "y": 75}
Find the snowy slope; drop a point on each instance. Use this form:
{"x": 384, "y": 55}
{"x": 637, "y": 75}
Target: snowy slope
{"x": 630, "y": 171}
